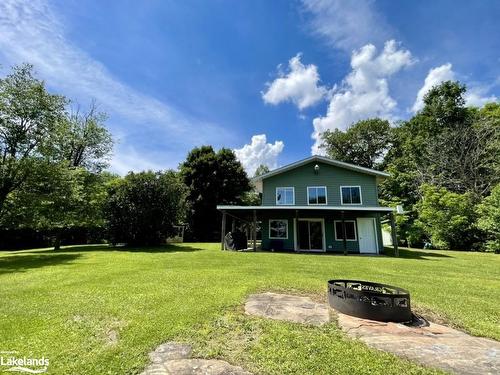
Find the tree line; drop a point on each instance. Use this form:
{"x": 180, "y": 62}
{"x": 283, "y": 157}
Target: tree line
{"x": 445, "y": 169}
{"x": 55, "y": 188}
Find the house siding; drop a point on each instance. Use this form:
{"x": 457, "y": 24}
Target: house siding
{"x": 330, "y": 176}
{"x": 332, "y": 245}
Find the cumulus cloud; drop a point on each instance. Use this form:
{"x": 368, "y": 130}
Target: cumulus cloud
{"x": 434, "y": 77}
{"x": 33, "y": 31}
{"x": 364, "y": 93}
{"x": 299, "y": 86}
{"x": 259, "y": 152}
{"x": 346, "y": 24}
{"x": 478, "y": 96}
{"x": 475, "y": 96}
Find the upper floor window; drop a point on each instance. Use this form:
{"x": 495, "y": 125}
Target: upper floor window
{"x": 316, "y": 194}
{"x": 285, "y": 196}
{"x": 350, "y": 194}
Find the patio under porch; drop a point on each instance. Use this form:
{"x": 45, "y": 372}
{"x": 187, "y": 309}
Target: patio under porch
{"x": 344, "y": 230}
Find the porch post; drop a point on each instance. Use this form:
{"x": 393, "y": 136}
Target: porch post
{"x": 223, "y": 231}
{"x": 344, "y": 234}
{"x": 295, "y": 229}
{"x": 233, "y": 224}
{"x": 254, "y": 230}
{"x": 394, "y": 234}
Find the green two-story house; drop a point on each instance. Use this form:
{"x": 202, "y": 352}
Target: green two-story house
{"x": 318, "y": 205}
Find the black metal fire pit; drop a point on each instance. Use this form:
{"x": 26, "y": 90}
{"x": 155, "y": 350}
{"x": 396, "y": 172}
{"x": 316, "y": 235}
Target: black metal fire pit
{"x": 368, "y": 300}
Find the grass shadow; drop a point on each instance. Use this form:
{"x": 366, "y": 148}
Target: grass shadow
{"x": 170, "y": 248}
{"x": 415, "y": 253}
{"x": 22, "y": 263}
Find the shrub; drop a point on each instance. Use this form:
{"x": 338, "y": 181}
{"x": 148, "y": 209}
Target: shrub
{"x": 143, "y": 208}
{"x": 488, "y": 212}
{"x": 447, "y": 218}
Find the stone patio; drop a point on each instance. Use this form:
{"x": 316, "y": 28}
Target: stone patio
{"x": 429, "y": 344}
{"x": 426, "y": 343}
{"x": 286, "y": 307}
{"x": 174, "y": 358}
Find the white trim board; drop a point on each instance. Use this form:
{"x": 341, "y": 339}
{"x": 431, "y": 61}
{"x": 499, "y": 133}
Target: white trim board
{"x": 314, "y": 207}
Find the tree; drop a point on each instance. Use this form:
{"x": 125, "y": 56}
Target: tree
{"x": 84, "y": 140}
{"x": 57, "y": 200}
{"x": 488, "y": 212}
{"x": 29, "y": 119}
{"x": 143, "y": 208}
{"x": 447, "y": 218}
{"x": 261, "y": 169}
{"x": 211, "y": 178}
{"x": 363, "y": 143}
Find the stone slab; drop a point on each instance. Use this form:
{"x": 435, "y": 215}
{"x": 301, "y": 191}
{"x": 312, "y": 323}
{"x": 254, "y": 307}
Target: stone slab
{"x": 173, "y": 358}
{"x": 287, "y": 307}
{"x": 429, "y": 344}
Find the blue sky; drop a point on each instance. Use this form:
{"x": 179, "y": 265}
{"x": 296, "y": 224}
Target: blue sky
{"x": 262, "y": 77}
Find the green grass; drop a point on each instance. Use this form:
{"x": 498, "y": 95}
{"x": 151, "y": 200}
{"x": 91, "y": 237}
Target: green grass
{"x": 96, "y": 310}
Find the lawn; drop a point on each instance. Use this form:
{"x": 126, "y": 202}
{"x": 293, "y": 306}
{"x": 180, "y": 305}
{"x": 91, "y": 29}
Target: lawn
{"x": 97, "y": 310}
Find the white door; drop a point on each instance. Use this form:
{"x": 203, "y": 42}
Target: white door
{"x": 367, "y": 235}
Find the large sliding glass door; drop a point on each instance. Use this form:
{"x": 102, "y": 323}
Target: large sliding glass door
{"x": 310, "y": 234}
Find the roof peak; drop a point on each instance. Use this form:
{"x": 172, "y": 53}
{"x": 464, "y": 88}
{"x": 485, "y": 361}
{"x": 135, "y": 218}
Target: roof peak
{"x": 323, "y": 159}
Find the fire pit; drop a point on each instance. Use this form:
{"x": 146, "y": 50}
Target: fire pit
{"x": 368, "y": 300}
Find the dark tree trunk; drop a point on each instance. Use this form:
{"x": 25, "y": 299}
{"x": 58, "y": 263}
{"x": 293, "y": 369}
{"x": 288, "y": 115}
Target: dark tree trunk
{"x": 57, "y": 241}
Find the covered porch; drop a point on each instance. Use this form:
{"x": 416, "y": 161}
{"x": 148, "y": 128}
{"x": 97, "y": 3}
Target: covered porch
{"x": 330, "y": 229}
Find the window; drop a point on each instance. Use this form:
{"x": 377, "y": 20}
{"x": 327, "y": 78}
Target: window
{"x": 316, "y": 194}
{"x": 350, "y": 230}
{"x": 278, "y": 229}
{"x": 285, "y": 196}
{"x": 350, "y": 194}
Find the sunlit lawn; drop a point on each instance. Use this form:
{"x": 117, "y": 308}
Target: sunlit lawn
{"x": 98, "y": 310}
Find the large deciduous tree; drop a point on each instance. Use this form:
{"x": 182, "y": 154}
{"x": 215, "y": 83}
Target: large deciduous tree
{"x": 143, "y": 208}
{"x": 363, "y": 143}
{"x": 84, "y": 141}
{"x": 30, "y": 117}
{"x": 212, "y": 178}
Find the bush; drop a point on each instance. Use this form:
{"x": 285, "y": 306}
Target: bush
{"x": 488, "y": 212}
{"x": 447, "y": 218}
{"x": 143, "y": 208}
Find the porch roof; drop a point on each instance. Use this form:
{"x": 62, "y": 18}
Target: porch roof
{"x": 312, "y": 208}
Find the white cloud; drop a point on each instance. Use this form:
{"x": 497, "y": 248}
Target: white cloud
{"x": 434, "y": 77}
{"x": 475, "y": 95}
{"x": 259, "y": 152}
{"x": 32, "y": 32}
{"x": 300, "y": 85}
{"x": 347, "y": 24}
{"x": 364, "y": 93}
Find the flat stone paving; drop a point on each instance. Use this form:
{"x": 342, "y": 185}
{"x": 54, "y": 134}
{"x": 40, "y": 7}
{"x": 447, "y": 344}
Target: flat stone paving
{"x": 429, "y": 344}
{"x": 174, "y": 358}
{"x": 286, "y": 307}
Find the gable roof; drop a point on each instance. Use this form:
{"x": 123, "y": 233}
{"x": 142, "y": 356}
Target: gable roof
{"x": 317, "y": 158}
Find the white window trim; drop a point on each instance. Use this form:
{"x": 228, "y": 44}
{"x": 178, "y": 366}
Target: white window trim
{"x": 345, "y": 221}
{"x": 317, "y": 204}
{"x": 351, "y": 204}
{"x": 284, "y": 204}
{"x": 278, "y": 238}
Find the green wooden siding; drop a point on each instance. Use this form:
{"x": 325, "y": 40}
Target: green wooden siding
{"x": 332, "y": 245}
{"x": 330, "y": 176}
